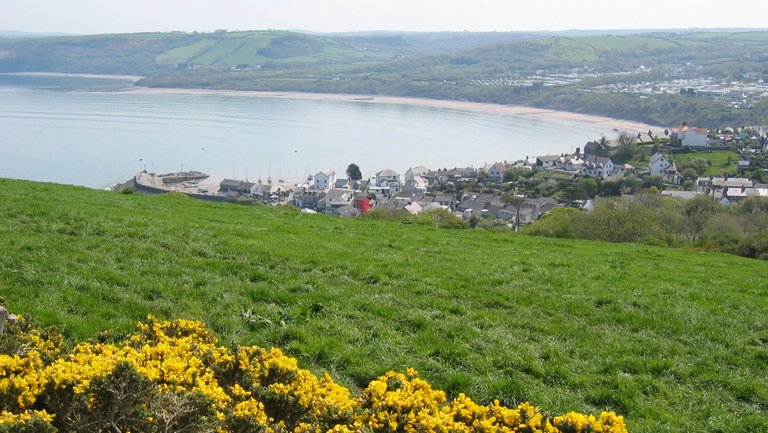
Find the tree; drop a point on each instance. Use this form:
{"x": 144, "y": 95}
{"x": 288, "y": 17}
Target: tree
{"x": 516, "y": 201}
{"x": 626, "y": 147}
{"x": 353, "y": 172}
{"x": 697, "y": 212}
{"x": 611, "y": 187}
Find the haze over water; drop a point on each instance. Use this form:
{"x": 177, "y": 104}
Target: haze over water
{"x": 87, "y": 132}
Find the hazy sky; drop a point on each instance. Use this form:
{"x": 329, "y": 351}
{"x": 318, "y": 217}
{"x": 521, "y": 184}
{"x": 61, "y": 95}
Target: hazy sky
{"x": 118, "y": 16}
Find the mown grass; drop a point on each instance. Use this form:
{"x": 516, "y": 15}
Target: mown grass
{"x": 721, "y": 162}
{"x": 675, "y": 340}
{"x": 186, "y": 53}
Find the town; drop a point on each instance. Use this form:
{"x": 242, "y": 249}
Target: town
{"x": 728, "y": 165}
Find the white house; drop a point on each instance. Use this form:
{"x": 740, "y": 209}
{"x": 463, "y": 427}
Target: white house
{"x": 547, "y": 160}
{"x": 415, "y": 171}
{"x": 658, "y": 164}
{"x": 687, "y": 136}
{"x": 386, "y": 177}
{"x": 597, "y": 166}
{"x": 325, "y": 179}
{"x": 621, "y": 169}
{"x": 496, "y": 173}
{"x": 573, "y": 163}
{"x": 415, "y": 185}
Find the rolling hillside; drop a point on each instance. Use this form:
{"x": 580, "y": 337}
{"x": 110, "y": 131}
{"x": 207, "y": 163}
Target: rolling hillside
{"x": 674, "y": 340}
{"x": 483, "y": 53}
{"x": 259, "y": 48}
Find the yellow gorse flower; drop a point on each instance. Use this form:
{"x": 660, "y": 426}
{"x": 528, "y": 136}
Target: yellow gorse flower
{"x": 254, "y": 387}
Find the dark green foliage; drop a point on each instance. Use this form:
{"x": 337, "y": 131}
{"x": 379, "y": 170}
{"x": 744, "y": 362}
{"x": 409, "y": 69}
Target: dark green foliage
{"x": 353, "y": 172}
{"x": 119, "y": 403}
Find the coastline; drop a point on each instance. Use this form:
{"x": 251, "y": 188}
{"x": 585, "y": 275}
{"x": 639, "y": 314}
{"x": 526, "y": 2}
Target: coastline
{"x": 133, "y": 78}
{"x": 509, "y": 110}
{"x": 609, "y": 123}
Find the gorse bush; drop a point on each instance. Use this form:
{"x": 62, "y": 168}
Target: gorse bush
{"x": 175, "y": 377}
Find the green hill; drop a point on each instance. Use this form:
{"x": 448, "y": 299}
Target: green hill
{"x": 159, "y": 53}
{"x": 674, "y": 340}
{"x": 258, "y": 48}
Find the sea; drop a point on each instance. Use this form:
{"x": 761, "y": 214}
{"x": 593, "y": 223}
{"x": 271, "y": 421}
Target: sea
{"x": 95, "y": 132}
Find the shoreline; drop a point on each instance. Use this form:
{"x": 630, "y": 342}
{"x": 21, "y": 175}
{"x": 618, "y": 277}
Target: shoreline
{"x": 481, "y": 107}
{"x": 610, "y": 123}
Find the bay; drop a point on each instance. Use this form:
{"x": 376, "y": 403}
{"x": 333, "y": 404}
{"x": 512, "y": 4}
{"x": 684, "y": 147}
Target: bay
{"x": 94, "y": 132}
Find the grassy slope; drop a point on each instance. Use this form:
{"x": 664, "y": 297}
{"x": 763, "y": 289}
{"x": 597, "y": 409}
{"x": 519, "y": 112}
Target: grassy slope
{"x": 236, "y": 48}
{"x": 675, "y": 340}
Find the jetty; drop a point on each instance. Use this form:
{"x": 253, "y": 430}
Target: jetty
{"x": 186, "y": 182}
{"x": 182, "y": 176}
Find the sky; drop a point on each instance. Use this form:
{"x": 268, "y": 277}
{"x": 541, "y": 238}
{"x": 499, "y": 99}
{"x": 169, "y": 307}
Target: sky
{"x": 123, "y": 16}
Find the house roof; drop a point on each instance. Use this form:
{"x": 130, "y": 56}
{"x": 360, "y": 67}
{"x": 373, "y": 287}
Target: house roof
{"x": 419, "y": 181}
{"x": 348, "y": 211}
{"x": 672, "y": 168}
{"x": 548, "y": 158}
{"x": 599, "y": 161}
{"x": 326, "y": 172}
{"x": 235, "y": 184}
{"x": 473, "y": 204}
{"x": 265, "y": 188}
{"x": 419, "y": 170}
{"x": 730, "y": 182}
{"x": 657, "y": 157}
{"x": 685, "y": 195}
{"x": 746, "y": 192}
{"x": 387, "y": 172}
{"x": 413, "y": 208}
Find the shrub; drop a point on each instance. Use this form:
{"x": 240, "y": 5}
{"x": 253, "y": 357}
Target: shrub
{"x": 174, "y": 377}
{"x": 559, "y": 223}
{"x": 442, "y": 218}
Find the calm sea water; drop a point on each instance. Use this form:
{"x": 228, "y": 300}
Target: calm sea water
{"x": 91, "y": 132}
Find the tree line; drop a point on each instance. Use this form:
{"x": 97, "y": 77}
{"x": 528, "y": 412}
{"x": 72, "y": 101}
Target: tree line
{"x": 700, "y": 222}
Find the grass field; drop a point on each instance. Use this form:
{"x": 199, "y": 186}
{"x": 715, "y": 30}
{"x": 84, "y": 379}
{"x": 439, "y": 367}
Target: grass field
{"x": 236, "y": 48}
{"x": 721, "y": 162}
{"x": 674, "y": 340}
{"x": 626, "y": 42}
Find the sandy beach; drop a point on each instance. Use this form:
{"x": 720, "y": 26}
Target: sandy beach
{"x": 511, "y": 110}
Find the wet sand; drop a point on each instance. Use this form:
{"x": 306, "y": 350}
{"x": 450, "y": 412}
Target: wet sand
{"x": 511, "y": 110}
